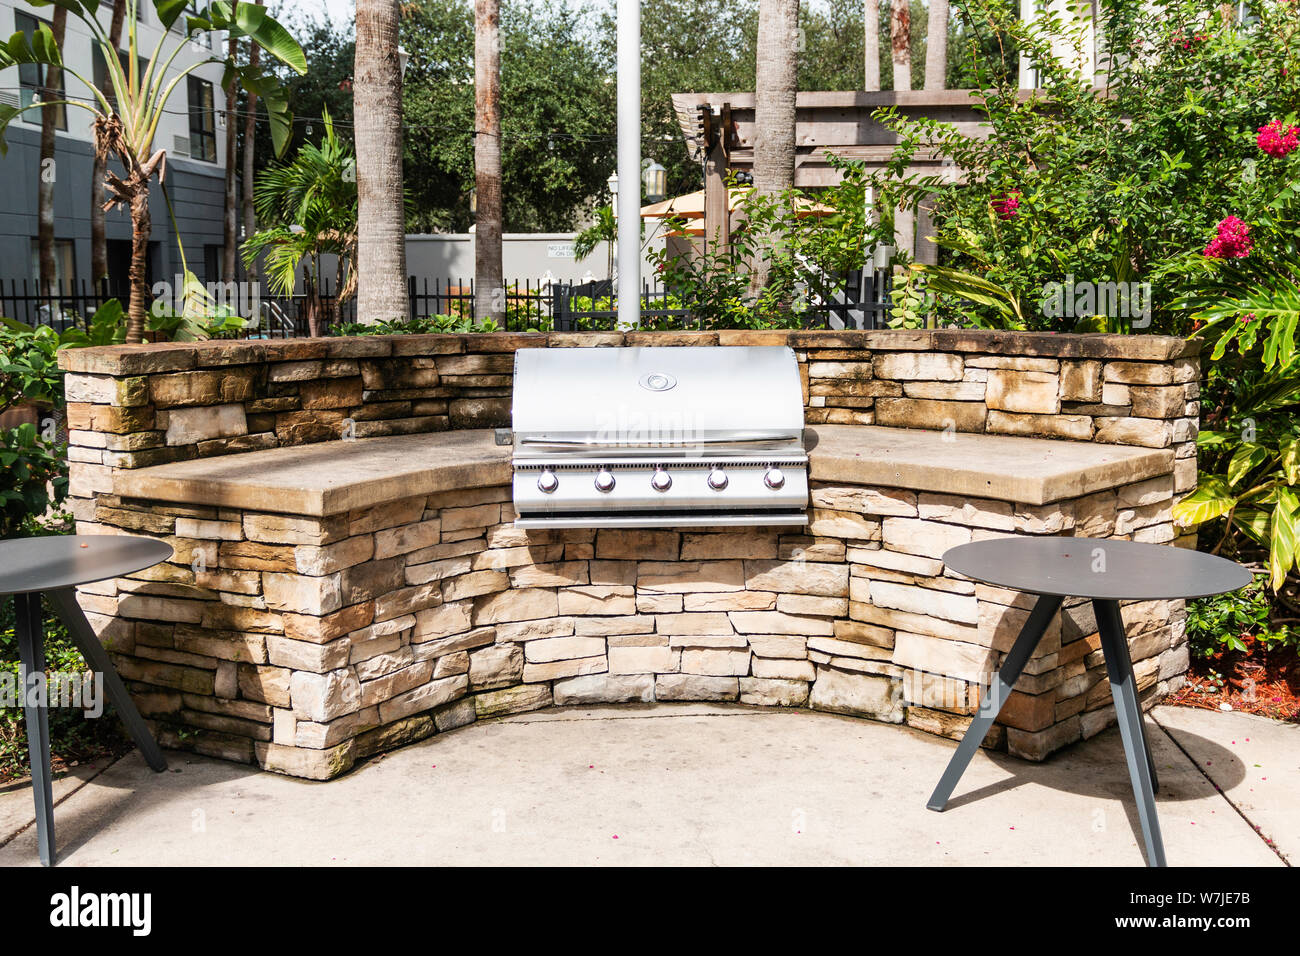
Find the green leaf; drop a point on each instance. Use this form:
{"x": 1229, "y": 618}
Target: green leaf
{"x": 1289, "y": 457}
{"x": 75, "y": 7}
{"x": 1211, "y": 499}
{"x": 1282, "y": 543}
{"x": 169, "y": 11}
{"x": 7, "y": 114}
{"x": 253, "y": 21}
{"x": 1245, "y": 460}
{"x": 1209, "y": 439}
{"x": 1253, "y": 522}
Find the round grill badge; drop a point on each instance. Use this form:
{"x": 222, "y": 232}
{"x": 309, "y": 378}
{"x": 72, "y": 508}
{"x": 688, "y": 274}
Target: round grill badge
{"x": 657, "y": 381}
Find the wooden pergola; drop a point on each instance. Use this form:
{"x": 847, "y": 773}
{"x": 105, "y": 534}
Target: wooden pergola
{"x": 719, "y": 131}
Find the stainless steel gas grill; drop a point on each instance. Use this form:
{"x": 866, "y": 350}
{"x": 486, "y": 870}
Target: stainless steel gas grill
{"x": 658, "y": 437}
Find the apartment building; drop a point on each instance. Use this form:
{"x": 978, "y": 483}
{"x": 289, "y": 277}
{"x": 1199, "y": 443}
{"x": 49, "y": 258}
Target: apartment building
{"x": 192, "y": 131}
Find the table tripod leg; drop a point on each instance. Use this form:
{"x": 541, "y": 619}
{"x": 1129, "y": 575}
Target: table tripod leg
{"x": 994, "y": 697}
{"x": 1128, "y": 711}
{"x": 65, "y": 604}
{"x": 31, "y": 651}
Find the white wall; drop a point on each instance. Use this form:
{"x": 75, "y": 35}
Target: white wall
{"x": 531, "y": 256}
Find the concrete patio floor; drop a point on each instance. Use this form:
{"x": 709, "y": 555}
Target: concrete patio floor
{"x": 689, "y": 784}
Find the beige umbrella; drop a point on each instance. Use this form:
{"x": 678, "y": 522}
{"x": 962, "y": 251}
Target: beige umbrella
{"x": 691, "y": 205}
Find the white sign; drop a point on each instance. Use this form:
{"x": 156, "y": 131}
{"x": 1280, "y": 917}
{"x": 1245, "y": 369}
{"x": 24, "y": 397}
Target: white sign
{"x": 559, "y": 250}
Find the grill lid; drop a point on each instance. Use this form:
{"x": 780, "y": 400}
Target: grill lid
{"x": 628, "y": 397}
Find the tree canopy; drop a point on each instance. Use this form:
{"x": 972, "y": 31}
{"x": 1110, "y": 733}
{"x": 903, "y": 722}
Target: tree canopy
{"x": 557, "y": 93}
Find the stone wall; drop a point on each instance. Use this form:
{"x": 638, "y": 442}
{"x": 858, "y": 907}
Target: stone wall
{"x": 303, "y": 644}
{"x": 136, "y": 406}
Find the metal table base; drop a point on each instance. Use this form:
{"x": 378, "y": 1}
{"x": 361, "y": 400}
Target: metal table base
{"x": 1128, "y": 710}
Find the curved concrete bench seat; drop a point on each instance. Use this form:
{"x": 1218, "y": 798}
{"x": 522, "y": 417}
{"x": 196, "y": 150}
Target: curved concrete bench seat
{"x": 331, "y": 598}
{"x": 354, "y": 594}
{"x": 332, "y": 477}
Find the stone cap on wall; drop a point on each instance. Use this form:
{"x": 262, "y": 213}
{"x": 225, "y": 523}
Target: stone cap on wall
{"x": 183, "y": 356}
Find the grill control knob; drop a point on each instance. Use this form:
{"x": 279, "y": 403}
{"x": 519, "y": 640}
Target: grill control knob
{"x": 604, "y": 481}
{"x": 661, "y": 480}
{"x": 717, "y": 479}
{"x": 774, "y": 479}
{"x": 547, "y": 482}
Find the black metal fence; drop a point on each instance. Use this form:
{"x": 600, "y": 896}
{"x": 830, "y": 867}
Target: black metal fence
{"x": 60, "y": 305}
{"x": 862, "y": 301}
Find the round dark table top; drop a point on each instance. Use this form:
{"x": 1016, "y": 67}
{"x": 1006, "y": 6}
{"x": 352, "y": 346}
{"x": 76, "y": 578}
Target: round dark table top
{"x": 1096, "y": 568}
{"x": 62, "y": 561}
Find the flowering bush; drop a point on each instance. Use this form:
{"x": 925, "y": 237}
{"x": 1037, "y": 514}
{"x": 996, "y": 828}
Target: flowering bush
{"x": 1008, "y": 206}
{"x": 1189, "y": 141}
{"x": 1276, "y": 140}
{"x": 1232, "y": 240}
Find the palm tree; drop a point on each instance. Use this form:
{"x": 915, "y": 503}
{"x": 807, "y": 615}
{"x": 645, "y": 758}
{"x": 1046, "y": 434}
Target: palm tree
{"x": 774, "y": 105}
{"x": 311, "y": 206}
{"x": 871, "y": 44}
{"x": 48, "y": 170}
{"x": 381, "y": 216}
{"x": 900, "y": 41}
{"x": 248, "y": 214}
{"x": 127, "y": 124}
{"x": 489, "y": 283}
{"x": 936, "y": 46}
{"x": 604, "y": 228}
{"x": 98, "y": 242}
{"x": 229, "y": 217}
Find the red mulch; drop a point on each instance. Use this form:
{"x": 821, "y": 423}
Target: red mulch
{"x": 1257, "y": 681}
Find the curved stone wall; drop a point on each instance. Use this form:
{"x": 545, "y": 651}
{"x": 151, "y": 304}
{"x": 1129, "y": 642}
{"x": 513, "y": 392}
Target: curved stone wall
{"x": 305, "y": 632}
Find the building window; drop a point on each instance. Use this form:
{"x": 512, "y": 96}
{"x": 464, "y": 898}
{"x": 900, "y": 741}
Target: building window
{"x": 65, "y": 262}
{"x": 101, "y": 70}
{"x": 212, "y": 262}
{"x": 31, "y": 77}
{"x": 203, "y": 121}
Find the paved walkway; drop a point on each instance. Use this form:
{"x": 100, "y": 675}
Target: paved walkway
{"x": 691, "y": 784}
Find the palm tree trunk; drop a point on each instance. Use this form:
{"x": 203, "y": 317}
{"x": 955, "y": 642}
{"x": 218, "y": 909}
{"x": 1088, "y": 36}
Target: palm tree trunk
{"x": 774, "y": 106}
{"x": 98, "y": 242}
{"x": 900, "y": 41}
{"x": 936, "y": 46}
{"x": 381, "y": 222}
{"x": 230, "y": 217}
{"x": 249, "y": 212}
{"x": 48, "y": 170}
{"x": 871, "y": 45}
{"x": 489, "y": 283}
{"x": 141, "y": 227}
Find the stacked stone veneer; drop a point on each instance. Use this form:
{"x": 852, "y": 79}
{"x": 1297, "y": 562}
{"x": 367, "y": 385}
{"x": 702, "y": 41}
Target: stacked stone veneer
{"x": 135, "y": 406}
{"x": 303, "y": 643}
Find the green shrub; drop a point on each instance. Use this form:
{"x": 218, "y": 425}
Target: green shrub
{"x": 429, "y": 324}
{"x": 73, "y": 736}
{"x": 35, "y": 477}
{"x": 1120, "y": 185}
{"x": 1233, "y": 621}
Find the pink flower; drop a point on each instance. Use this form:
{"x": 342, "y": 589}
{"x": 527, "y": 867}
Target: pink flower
{"x": 1276, "y": 140}
{"x": 1232, "y": 242}
{"x": 1008, "y": 206}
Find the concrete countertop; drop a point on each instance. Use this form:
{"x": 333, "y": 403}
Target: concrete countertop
{"x": 327, "y": 477}
{"x": 332, "y": 477}
{"x": 1033, "y": 471}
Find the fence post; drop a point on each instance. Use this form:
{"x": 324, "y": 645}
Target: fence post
{"x": 410, "y": 297}
{"x": 560, "y": 307}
